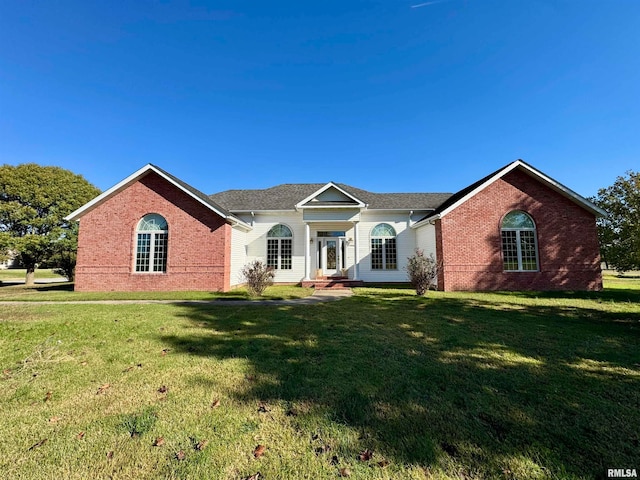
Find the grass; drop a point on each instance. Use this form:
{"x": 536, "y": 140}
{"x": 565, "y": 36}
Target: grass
{"x": 63, "y": 292}
{"x": 454, "y": 385}
{"x": 20, "y": 274}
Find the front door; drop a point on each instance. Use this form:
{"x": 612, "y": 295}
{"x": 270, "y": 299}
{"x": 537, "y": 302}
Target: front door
{"x": 331, "y": 256}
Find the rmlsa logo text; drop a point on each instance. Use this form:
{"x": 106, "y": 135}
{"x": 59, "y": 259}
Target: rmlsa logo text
{"x": 622, "y": 473}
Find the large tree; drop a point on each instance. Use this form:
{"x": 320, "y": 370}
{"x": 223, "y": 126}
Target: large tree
{"x": 619, "y": 232}
{"x": 34, "y": 200}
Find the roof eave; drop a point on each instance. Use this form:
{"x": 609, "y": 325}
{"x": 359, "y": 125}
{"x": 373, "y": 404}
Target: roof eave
{"x": 560, "y": 188}
{"x": 74, "y": 216}
{"x": 426, "y": 220}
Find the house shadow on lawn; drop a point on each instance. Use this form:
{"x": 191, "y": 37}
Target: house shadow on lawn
{"x": 476, "y": 388}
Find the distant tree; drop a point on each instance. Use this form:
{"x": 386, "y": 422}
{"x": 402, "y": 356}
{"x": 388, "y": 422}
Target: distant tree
{"x": 619, "y": 232}
{"x": 422, "y": 271}
{"x": 34, "y": 200}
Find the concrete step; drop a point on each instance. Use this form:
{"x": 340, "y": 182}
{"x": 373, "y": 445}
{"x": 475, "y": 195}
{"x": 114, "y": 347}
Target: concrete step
{"x": 332, "y": 283}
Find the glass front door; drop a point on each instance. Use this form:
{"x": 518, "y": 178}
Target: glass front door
{"x": 331, "y": 256}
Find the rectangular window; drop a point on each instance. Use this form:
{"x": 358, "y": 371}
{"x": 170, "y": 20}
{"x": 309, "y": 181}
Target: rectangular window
{"x": 160, "y": 252}
{"x": 528, "y": 250}
{"x": 376, "y": 254}
{"x": 286, "y": 248}
{"x": 279, "y": 253}
{"x": 384, "y": 254}
{"x": 390, "y": 253}
{"x": 143, "y": 252}
{"x": 151, "y": 252}
{"x": 272, "y": 253}
{"x": 519, "y": 250}
{"x": 510, "y": 250}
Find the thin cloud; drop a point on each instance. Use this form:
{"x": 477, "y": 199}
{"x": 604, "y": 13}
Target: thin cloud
{"x": 426, "y": 4}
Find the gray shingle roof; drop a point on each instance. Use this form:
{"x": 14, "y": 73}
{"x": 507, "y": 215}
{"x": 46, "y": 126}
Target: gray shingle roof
{"x": 286, "y": 196}
{"x": 205, "y": 198}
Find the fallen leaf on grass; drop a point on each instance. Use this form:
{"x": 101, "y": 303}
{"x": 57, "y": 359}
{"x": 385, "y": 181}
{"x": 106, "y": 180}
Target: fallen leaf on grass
{"x": 216, "y": 403}
{"x": 6, "y": 372}
{"x": 201, "y": 445}
{"x": 48, "y": 396}
{"x": 163, "y": 389}
{"x": 323, "y": 449}
{"x": 158, "y": 442}
{"x": 84, "y": 364}
{"x": 180, "y": 455}
{"x": 365, "y": 455}
{"x": 38, "y": 444}
{"x": 165, "y": 351}
{"x": 255, "y": 476}
{"x": 80, "y": 436}
{"x": 103, "y": 388}
{"x": 110, "y": 454}
{"x": 54, "y": 419}
{"x": 259, "y": 451}
{"x": 344, "y": 472}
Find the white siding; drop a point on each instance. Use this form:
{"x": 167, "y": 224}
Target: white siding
{"x": 426, "y": 239}
{"x": 257, "y": 242}
{"x": 252, "y": 245}
{"x": 405, "y": 244}
{"x": 238, "y": 255}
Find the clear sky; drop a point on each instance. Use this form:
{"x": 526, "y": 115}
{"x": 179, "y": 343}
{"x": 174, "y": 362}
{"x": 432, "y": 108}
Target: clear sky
{"x": 385, "y": 95}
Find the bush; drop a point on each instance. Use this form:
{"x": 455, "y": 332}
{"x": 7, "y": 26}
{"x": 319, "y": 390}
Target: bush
{"x": 257, "y": 277}
{"x": 422, "y": 270}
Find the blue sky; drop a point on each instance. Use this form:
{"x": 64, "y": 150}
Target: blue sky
{"x": 385, "y": 95}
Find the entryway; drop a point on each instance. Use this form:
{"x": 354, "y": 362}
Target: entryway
{"x": 331, "y": 254}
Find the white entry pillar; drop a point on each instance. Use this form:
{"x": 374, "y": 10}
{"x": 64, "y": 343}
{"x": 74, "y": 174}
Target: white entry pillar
{"x": 356, "y": 259}
{"x": 307, "y": 256}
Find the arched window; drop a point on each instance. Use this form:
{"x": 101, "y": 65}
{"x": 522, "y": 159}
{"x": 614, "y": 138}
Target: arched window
{"x": 279, "y": 247}
{"x": 519, "y": 242}
{"x": 383, "y": 248}
{"x": 151, "y": 244}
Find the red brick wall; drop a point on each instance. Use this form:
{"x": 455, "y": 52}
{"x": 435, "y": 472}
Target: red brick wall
{"x": 468, "y": 240}
{"x": 198, "y": 251}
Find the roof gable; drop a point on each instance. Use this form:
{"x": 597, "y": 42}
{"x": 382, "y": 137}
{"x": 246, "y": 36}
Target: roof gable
{"x": 466, "y": 193}
{"x": 137, "y": 175}
{"x": 330, "y": 195}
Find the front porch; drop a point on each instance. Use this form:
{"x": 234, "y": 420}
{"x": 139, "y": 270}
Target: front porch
{"x": 333, "y": 283}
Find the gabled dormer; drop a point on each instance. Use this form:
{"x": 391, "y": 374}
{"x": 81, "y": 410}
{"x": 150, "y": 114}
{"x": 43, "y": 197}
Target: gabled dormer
{"x": 330, "y": 196}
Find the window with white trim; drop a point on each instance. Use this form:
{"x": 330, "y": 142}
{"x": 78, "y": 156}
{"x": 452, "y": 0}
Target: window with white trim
{"x": 383, "y": 248}
{"x": 519, "y": 242}
{"x": 151, "y": 244}
{"x": 279, "y": 247}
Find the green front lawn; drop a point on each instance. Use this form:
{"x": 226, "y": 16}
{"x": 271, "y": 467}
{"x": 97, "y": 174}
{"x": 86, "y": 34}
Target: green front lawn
{"x": 455, "y": 385}
{"x": 20, "y": 274}
{"x": 63, "y": 292}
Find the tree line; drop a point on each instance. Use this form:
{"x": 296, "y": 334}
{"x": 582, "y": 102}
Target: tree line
{"x": 34, "y": 200}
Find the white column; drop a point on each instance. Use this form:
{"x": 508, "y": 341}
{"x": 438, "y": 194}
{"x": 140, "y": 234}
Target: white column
{"x": 356, "y": 264}
{"x": 307, "y": 256}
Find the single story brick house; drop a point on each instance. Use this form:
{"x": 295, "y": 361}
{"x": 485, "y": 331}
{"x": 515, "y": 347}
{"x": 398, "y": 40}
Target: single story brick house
{"x": 515, "y": 229}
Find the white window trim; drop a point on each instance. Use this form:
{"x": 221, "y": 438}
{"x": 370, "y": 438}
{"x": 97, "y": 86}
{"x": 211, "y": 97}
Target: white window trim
{"x": 384, "y": 239}
{"x": 519, "y": 247}
{"x": 278, "y": 265}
